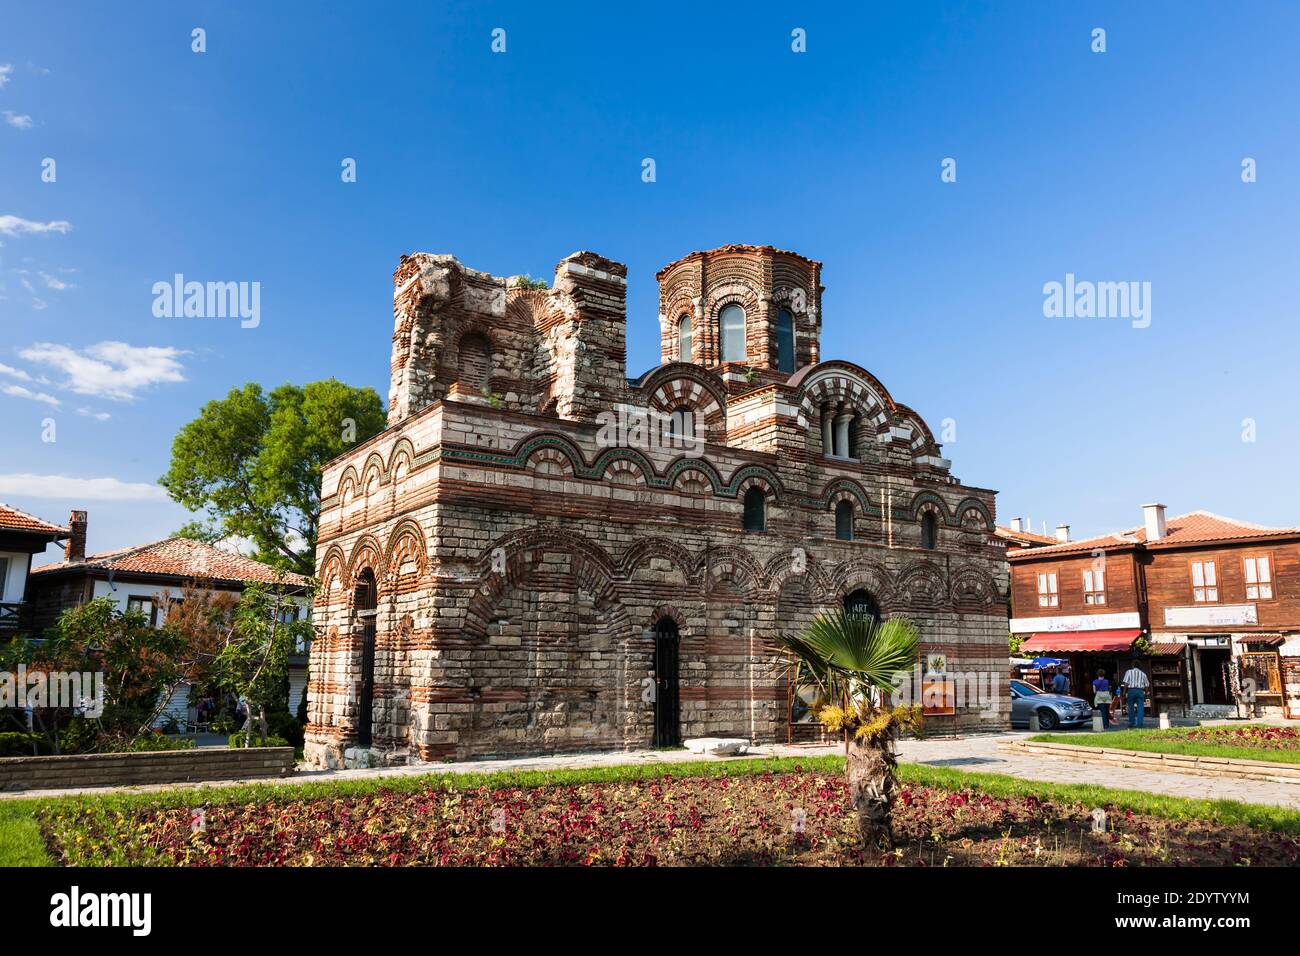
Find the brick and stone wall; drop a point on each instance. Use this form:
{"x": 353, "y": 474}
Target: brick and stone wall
{"x": 523, "y": 557}
{"x": 74, "y": 771}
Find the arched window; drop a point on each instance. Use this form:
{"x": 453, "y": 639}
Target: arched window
{"x": 474, "y": 363}
{"x": 929, "y": 531}
{"x": 731, "y": 333}
{"x": 844, "y": 520}
{"x": 784, "y": 341}
{"x": 862, "y": 604}
{"x": 366, "y": 595}
{"x": 755, "y": 509}
{"x": 685, "y": 350}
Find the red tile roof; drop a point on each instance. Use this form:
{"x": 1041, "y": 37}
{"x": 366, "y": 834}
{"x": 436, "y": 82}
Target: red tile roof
{"x": 182, "y": 558}
{"x": 1025, "y": 539}
{"x": 11, "y": 519}
{"x": 1194, "y": 527}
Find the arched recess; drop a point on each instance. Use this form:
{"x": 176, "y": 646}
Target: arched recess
{"x": 473, "y": 362}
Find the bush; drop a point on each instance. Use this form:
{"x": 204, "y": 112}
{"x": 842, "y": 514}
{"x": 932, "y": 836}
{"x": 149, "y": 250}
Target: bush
{"x": 284, "y": 724}
{"x": 19, "y": 744}
{"x": 237, "y": 740}
{"x": 152, "y": 742}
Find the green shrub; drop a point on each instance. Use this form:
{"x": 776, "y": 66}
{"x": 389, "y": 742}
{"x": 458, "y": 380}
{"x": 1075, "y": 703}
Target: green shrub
{"x": 237, "y": 740}
{"x": 152, "y": 742}
{"x": 17, "y": 744}
{"x": 284, "y": 724}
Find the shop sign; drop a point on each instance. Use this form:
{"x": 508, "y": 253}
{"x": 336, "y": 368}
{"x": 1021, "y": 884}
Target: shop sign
{"x": 1076, "y": 622}
{"x": 1220, "y": 615}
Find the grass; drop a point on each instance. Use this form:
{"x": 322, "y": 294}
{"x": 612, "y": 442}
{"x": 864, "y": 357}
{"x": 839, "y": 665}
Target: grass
{"x": 1169, "y": 742}
{"x": 21, "y": 843}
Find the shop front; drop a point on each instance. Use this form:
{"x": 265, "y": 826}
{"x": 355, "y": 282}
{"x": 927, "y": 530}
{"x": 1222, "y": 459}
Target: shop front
{"x": 1087, "y": 654}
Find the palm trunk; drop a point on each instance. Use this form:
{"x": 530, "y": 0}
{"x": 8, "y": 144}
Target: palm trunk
{"x": 872, "y": 788}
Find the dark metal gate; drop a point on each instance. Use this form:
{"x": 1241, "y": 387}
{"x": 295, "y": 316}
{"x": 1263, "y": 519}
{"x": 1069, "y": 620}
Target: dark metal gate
{"x": 667, "y": 701}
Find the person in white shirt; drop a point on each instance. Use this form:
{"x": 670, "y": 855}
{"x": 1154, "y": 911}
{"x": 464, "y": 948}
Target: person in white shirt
{"x": 1135, "y": 683}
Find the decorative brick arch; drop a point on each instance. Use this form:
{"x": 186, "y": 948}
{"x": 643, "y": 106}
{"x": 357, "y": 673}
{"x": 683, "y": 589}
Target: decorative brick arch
{"x": 974, "y": 590}
{"x": 928, "y": 501}
{"x": 969, "y": 504}
{"x": 731, "y": 565}
{"x": 869, "y": 576}
{"x": 616, "y": 461}
{"x": 367, "y": 552}
{"x": 921, "y": 586}
{"x": 593, "y": 572}
{"x": 734, "y": 290}
{"x": 780, "y": 569}
{"x": 646, "y": 549}
{"x": 403, "y": 452}
{"x": 406, "y": 542}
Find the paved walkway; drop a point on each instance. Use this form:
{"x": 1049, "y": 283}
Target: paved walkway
{"x": 975, "y": 753}
{"x": 982, "y": 754}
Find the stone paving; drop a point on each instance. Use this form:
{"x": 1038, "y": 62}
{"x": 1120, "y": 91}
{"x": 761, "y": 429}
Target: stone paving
{"x": 978, "y": 753}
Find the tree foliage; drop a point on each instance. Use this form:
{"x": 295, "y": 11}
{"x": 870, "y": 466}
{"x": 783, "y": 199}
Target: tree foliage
{"x": 251, "y": 463}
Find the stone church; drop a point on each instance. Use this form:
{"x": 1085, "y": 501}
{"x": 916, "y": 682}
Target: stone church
{"x": 518, "y": 565}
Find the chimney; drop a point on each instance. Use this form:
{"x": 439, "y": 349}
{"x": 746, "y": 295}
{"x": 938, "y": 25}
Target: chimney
{"x": 1062, "y": 532}
{"x": 1153, "y": 516}
{"x": 1015, "y": 525}
{"x": 75, "y": 549}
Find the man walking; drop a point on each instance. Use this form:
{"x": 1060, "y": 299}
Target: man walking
{"x": 1135, "y": 683}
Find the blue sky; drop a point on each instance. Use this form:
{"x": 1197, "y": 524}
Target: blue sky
{"x": 1115, "y": 166}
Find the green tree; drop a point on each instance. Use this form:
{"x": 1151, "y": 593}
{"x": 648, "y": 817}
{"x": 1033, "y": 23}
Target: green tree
{"x": 250, "y": 463}
{"x": 853, "y": 661}
{"x": 254, "y": 663}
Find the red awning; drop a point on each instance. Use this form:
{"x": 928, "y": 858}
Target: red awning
{"x": 1102, "y": 642}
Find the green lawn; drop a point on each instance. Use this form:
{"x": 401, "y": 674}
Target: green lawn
{"x": 1174, "y": 741}
{"x": 21, "y": 843}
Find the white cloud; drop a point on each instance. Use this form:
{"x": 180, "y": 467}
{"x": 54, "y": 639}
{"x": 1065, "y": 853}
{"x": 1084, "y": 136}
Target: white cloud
{"x": 16, "y": 226}
{"x": 97, "y": 416}
{"x": 5, "y": 70}
{"x": 17, "y": 120}
{"x": 14, "y": 372}
{"x": 54, "y": 282}
{"x": 82, "y": 489}
{"x": 18, "y": 391}
{"x": 39, "y": 304}
{"x": 111, "y": 370}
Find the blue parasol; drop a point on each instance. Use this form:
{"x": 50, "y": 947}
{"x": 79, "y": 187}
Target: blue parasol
{"x": 1049, "y": 661}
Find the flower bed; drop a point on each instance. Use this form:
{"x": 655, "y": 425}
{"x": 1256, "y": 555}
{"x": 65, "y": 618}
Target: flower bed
{"x": 1258, "y": 736}
{"x": 798, "y": 818}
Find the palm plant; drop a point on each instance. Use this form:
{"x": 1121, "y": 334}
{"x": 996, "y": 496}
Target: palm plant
{"x": 853, "y": 660}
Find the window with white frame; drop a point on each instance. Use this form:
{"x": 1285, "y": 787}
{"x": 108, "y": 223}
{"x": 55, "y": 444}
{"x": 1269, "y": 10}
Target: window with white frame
{"x": 1094, "y": 586}
{"x": 1259, "y": 578}
{"x": 1205, "y": 582}
{"x": 1047, "y": 594}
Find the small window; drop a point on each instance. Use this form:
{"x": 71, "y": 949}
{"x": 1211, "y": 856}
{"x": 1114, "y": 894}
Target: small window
{"x": 1259, "y": 579}
{"x": 755, "y": 509}
{"x": 1205, "y": 583}
{"x": 142, "y": 605}
{"x": 731, "y": 327}
{"x": 844, "y": 520}
{"x": 682, "y": 423}
{"x": 1047, "y": 595}
{"x": 4, "y": 576}
{"x": 929, "y": 531}
{"x": 784, "y": 341}
{"x": 685, "y": 348}
{"x": 1094, "y": 587}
